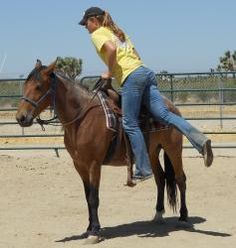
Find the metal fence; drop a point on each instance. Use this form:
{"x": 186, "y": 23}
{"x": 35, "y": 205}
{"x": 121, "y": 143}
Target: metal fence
{"x": 206, "y": 99}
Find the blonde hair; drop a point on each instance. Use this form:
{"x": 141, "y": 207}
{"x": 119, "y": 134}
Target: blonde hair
{"x": 106, "y": 21}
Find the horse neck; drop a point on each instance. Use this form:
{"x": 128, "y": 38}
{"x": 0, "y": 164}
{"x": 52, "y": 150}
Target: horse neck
{"x": 70, "y": 99}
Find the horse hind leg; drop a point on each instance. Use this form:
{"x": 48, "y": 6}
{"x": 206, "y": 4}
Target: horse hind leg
{"x": 160, "y": 182}
{"x": 181, "y": 181}
{"x": 173, "y": 161}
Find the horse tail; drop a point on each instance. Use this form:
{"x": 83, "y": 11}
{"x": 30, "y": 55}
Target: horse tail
{"x": 170, "y": 183}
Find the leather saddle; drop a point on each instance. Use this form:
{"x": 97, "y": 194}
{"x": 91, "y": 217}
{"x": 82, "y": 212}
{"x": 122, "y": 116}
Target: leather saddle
{"x": 114, "y": 103}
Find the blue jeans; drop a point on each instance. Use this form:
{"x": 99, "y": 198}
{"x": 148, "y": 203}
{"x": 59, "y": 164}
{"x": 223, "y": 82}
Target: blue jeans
{"x": 140, "y": 87}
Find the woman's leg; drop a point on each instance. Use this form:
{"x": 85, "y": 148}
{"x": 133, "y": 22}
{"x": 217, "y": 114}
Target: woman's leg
{"x": 154, "y": 101}
{"x": 132, "y": 94}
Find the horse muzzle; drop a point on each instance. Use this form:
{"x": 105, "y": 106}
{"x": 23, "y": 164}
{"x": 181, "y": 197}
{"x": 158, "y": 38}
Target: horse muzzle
{"x": 24, "y": 120}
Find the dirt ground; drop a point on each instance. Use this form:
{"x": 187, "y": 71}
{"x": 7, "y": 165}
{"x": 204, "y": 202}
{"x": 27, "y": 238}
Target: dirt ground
{"x": 43, "y": 204}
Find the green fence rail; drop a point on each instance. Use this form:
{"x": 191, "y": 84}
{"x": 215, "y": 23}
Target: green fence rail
{"x": 186, "y": 90}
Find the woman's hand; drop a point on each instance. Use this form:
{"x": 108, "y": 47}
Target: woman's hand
{"x": 106, "y": 75}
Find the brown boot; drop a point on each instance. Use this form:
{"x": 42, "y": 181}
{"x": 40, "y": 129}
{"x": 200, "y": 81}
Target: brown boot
{"x": 207, "y": 153}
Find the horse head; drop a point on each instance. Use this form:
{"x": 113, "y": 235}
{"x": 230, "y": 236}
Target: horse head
{"x": 37, "y": 93}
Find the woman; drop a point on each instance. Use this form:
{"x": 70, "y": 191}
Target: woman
{"x": 138, "y": 84}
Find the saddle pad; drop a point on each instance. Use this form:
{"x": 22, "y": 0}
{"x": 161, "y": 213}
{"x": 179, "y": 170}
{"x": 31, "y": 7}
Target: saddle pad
{"x": 113, "y": 121}
{"x": 111, "y": 118}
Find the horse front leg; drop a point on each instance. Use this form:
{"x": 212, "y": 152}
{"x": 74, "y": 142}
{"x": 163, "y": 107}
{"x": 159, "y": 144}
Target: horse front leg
{"x": 87, "y": 194}
{"x": 91, "y": 181}
{"x": 92, "y": 197}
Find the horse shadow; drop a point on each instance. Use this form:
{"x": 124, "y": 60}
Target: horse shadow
{"x": 149, "y": 229}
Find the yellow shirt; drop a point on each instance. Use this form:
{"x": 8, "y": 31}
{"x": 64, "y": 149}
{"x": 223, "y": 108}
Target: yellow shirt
{"x": 127, "y": 59}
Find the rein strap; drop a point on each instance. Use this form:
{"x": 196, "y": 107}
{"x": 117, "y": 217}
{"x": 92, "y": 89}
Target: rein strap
{"x": 99, "y": 84}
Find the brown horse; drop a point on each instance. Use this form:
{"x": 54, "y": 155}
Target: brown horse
{"x": 87, "y": 139}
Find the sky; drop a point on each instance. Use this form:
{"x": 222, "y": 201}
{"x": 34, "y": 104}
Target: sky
{"x": 171, "y": 35}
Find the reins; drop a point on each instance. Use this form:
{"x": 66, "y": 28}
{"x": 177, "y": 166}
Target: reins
{"x": 54, "y": 120}
{"x": 86, "y": 109}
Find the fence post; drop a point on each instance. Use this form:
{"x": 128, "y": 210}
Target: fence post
{"x": 171, "y": 88}
{"x": 221, "y": 101}
{"x": 21, "y": 92}
{"x": 57, "y": 153}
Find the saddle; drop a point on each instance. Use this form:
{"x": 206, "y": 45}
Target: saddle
{"x": 114, "y": 103}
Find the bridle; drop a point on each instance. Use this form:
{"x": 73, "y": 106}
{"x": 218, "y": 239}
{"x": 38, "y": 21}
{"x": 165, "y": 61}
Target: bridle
{"x": 35, "y": 104}
{"x": 52, "y": 91}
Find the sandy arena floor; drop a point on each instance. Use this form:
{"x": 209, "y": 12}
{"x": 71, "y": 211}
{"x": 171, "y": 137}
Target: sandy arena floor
{"x": 43, "y": 204}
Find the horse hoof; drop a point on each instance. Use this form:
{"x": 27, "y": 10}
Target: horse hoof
{"x": 158, "y": 218}
{"x": 92, "y": 239}
{"x": 130, "y": 183}
{"x": 159, "y": 221}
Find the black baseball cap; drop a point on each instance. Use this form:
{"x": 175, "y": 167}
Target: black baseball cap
{"x": 90, "y": 12}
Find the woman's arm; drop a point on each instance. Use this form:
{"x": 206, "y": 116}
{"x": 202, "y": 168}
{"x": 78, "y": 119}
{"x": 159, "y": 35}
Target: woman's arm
{"x": 109, "y": 49}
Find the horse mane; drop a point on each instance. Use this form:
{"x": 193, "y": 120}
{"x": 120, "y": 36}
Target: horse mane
{"x": 63, "y": 76}
{"x": 81, "y": 89}
{"x": 35, "y": 71}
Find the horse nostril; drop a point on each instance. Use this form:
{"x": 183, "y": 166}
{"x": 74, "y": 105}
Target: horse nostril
{"x": 24, "y": 119}
{"x": 20, "y": 119}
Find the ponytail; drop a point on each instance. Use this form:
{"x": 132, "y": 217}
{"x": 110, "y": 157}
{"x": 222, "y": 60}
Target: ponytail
{"x": 106, "y": 21}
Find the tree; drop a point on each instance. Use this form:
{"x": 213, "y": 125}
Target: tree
{"x": 227, "y": 62}
{"x": 69, "y": 66}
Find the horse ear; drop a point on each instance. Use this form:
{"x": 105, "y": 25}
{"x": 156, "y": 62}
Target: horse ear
{"x": 51, "y": 68}
{"x": 38, "y": 64}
